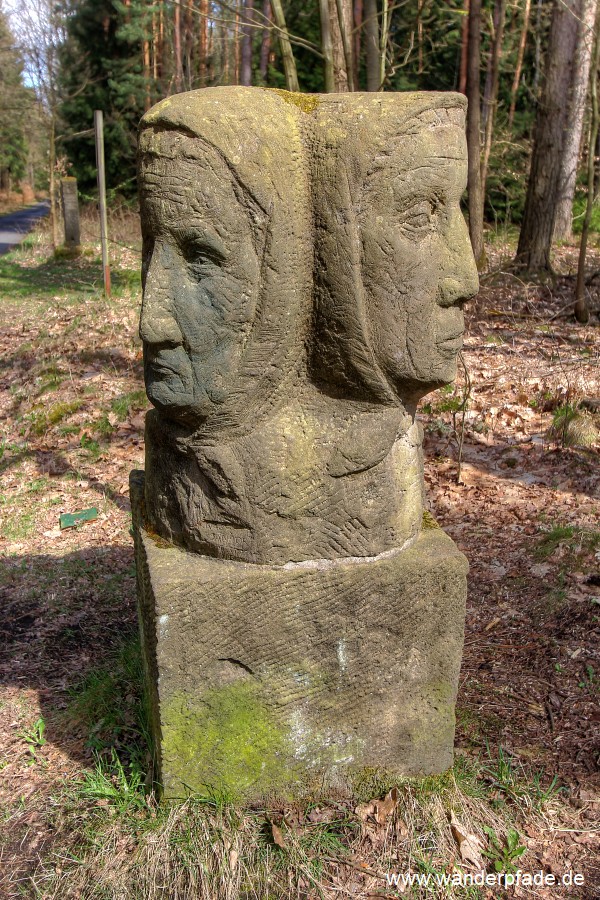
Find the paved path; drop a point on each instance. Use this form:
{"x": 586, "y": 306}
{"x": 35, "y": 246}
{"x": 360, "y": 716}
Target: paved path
{"x": 16, "y": 225}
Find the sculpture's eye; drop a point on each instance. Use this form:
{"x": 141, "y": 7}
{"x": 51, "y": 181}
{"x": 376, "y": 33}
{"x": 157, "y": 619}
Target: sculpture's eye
{"x": 200, "y": 250}
{"x": 419, "y": 217}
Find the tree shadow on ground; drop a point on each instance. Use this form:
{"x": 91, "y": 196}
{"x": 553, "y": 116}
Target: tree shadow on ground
{"x": 68, "y": 622}
{"x": 81, "y": 274}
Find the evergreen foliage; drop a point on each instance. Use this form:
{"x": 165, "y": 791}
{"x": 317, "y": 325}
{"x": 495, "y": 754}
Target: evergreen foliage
{"x": 14, "y": 101}
{"x": 101, "y": 68}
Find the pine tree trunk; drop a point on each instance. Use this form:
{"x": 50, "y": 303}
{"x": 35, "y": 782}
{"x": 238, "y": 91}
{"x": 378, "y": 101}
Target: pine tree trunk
{"x": 225, "y": 53}
{"x": 491, "y": 100}
{"x": 265, "y": 44}
{"x": 537, "y": 229}
{"x": 582, "y": 313}
{"x": 358, "y": 20}
{"x": 344, "y": 19}
{"x": 383, "y": 41}
{"x": 236, "y": 44}
{"x": 177, "y": 48}
{"x": 146, "y": 64}
{"x": 340, "y": 11}
{"x": 247, "y": 29}
{"x": 464, "y": 50}
{"x": 475, "y": 197}
{"x": 52, "y": 177}
{"x": 519, "y": 64}
{"x": 203, "y": 43}
{"x": 372, "y": 44}
{"x": 492, "y": 64}
{"x": 289, "y": 62}
{"x": 327, "y": 46}
{"x": 586, "y": 10}
{"x": 420, "y": 9}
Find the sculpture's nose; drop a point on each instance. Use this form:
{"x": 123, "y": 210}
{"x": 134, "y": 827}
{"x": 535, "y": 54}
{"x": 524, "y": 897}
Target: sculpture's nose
{"x": 157, "y": 320}
{"x": 460, "y": 281}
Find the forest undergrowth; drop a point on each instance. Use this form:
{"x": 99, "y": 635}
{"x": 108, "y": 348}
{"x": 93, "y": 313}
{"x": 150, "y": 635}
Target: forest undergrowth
{"x": 511, "y": 473}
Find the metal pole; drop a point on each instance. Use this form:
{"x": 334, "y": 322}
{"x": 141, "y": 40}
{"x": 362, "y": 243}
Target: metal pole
{"x": 99, "y": 130}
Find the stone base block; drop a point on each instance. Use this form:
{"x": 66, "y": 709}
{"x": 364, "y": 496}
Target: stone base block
{"x": 273, "y": 679}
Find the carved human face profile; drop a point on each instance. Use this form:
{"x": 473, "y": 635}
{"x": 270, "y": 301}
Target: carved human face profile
{"x": 202, "y": 263}
{"x": 393, "y": 259}
{"x": 418, "y": 268}
{"x": 224, "y": 199}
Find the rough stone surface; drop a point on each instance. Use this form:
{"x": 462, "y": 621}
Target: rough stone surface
{"x": 273, "y": 679}
{"x": 305, "y": 263}
{"x": 70, "y": 207}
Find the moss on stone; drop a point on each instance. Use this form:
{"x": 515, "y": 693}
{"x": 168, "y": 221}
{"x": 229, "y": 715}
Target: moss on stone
{"x": 428, "y": 520}
{"x": 227, "y": 743}
{"x": 305, "y": 102}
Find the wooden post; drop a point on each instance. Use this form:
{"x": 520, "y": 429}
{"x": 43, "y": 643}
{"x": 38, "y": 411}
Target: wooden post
{"x": 99, "y": 129}
{"x": 70, "y": 208}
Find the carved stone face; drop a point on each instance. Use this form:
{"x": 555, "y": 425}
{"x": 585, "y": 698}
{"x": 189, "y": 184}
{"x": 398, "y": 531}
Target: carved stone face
{"x": 418, "y": 268}
{"x": 201, "y": 280}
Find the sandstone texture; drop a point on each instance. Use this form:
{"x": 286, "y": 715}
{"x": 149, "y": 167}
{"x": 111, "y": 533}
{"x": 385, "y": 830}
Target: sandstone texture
{"x": 281, "y": 679}
{"x": 305, "y": 264}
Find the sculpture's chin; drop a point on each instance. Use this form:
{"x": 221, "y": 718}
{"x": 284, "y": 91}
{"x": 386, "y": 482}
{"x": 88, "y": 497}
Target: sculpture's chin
{"x": 171, "y": 404}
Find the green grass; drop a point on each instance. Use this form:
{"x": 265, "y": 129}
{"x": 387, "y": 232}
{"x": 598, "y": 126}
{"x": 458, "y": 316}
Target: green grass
{"x": 108, "y": 704}
{"x": 123, "y": 405}
{"x": 579, "y": 205}
{"x": 70, "y": 277}
{"x": 576, "y": 540}
{"x": 41, "y": 420}
{"x": 213, "y": 850}
{"x": 19, "y": 526}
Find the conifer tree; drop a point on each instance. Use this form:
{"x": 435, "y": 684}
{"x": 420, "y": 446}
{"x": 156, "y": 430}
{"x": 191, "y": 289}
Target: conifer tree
{"x": 14, "y": 100}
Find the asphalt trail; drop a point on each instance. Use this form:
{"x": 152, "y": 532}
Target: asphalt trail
{"x": 16, "y": 225}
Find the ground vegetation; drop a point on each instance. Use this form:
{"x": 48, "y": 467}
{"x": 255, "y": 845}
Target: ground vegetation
{"x": 511, "y": 474}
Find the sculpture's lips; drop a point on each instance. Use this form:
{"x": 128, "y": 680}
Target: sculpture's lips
{"x": 454, "y": 342}
{"x": 159, "y": 367}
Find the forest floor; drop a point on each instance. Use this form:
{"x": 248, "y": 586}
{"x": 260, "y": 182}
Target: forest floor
{"x": 525, "y": 790}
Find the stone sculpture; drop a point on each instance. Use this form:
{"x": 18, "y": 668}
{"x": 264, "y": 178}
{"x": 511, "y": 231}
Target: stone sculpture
{"x": 305, "y": 264}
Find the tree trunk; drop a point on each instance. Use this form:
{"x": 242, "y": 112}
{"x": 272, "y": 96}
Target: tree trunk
{"x": 383, "y": 41}
{"x": 358, "y": 21}
{"x": 491, "y": 100}
{"x": 225, "y": 52}
{"x": 188, "y": 43}
{"x": 177, "y": 48}
{"x": 52, "y": 178}
{"x": 519, "y": 64}
{"x": 537, "y": 64}
{"x": 247, "y": 32}
{"x": 203, "y": 48}
{"x": 582, "y": 313}
{"x": 488, "y": 90}
{"x": 327, "y": 46}
{"x": 236, "y": 43}
{"x": 537, "y": 229}
{"x": 344, "y": 19}
{"x": 289, "y": 62}
{"x": 265, "y": 44}
{"x": 475, "y": 198}
{"x": 340, "y": 17}
{"x": 372, "y": 44}
{"x": 586, "y": 10}
{"x": 464, "y": 50}
{"x": 146, "y": 63}
{"x": 420, "y": 10}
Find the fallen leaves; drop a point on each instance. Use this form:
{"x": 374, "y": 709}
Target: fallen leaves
{"x": 379, "y": 810}
{"x": 277, "y": 836}
{"x": 469, "y": 845}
